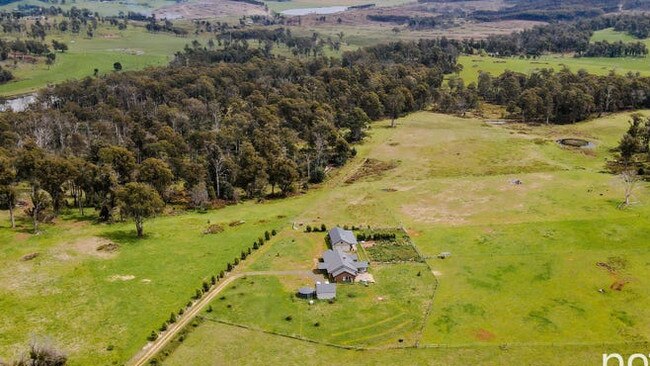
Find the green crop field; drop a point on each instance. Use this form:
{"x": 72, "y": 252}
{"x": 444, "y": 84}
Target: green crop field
{"x": 528, "y": 260}
{"x": 134, "y": 48}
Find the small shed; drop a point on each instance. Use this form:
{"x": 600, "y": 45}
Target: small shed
{"x": 325, "y": 291}
{"x": 306, "y": 292}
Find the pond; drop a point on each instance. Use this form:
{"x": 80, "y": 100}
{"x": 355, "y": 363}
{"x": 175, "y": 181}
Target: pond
{"x": 306, "y": 11}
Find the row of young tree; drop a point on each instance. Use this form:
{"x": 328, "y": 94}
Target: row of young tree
{"x": 199, "y": 131}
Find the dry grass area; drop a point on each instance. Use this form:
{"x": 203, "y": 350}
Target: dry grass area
{"x": 205, "y": 9}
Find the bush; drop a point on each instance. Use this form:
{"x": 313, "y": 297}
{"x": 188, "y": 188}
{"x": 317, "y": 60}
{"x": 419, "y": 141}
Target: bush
{"x": 189, "y": 304}
{"x": 163, "y": 327}
{"x": 153, "y": 336}
{"x": 197, "y": 294}
{"x": 206, "y": 287}
{"x": 181, "y": 311}
{"x": 273, "y": 232}
{"x": 213, "y": 229}
{"x": 222, "y": 274}
{"x": 249, "y": 251}
{"x": 308, "y": 229}
{"x": 236, "y": 261}
{"x": 243, "y": 255}
{"x": 267, "y": 236}
{"x": 323, "y": 227}
{"x": 229, "y": 267}
{"x": 110, "y": 347}
{"x": 317, "y": 176}
{"x": 260, "y": 241}
{"x": 317, "y": 324}
{"x": 288, "y": 318}
{"x": 172, "y": 318}
{"x": 345, "y": 227}
{"x": 213, "y": 280}
{"x": 209, "y": 309}
{"x": 255, "y": 246}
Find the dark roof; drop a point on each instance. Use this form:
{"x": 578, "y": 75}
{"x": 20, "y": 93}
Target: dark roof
{"x": 325, "y": 288}
{"x": 338, "y": 235}
{"x": 336, "y": 262}
{"x": 306, "y": 291}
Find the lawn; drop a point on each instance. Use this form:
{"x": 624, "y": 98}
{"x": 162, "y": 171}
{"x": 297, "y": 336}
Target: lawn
{"x": 387, "y": 313}
{"x": 548, "y": 271}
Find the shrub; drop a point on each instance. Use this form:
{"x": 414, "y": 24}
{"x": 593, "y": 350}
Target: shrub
{"x": 163, "y": 327}
{"x": 189, "y": 304}
{"x": 317, "y": 176}
{"x": 153, "y": 336}
{"x": 110, "y": 347}
{"x": 260, "y": 241}
{"x": 288, "y": 318}
{"x": 181, "y": 311}
{"x": 323, "y": 227}
{"x": 308, "y": 229}
{"x": 273, "y": 232}
{"x": 209, "y": 309}
{"x": 172, "y": 318}
{"x": 236, "y": 261}
{"x": 249, "y": 251}
{"x": 267, "y": 236}
{"x": 243, "y": 255}
{"x": 206, "y": 287}
{"x": 419, "y": 274}
{"x": 229, "y": 267}
{"x": 345, "y": 227}
{"x": 255, "y": 246}
{"x": 317, "y": 324}
{"x": 221, "y": 274}
{"x": 213, "y": 280}
{"x": 213, "y": 229}
{"x": 197, "y": 294}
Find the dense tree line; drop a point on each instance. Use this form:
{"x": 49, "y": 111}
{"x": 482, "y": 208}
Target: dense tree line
{"x": 549, "y": 10}
{"x": 564, "y": 96}
{"x": 562, "y": 38}
{"x": 615, "y": 49}
{"x": 249, "y": 125}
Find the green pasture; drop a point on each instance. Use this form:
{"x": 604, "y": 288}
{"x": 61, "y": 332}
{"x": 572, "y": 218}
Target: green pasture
{"x": 134, "y": 48}
{"x": 549, "y": 271}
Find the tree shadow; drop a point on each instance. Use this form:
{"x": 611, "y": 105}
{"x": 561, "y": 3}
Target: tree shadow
{"x": 125, "y": 237}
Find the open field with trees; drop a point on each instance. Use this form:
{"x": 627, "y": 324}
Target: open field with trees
{"x": 541, "y": 248}
{"x": 192, "y": 167}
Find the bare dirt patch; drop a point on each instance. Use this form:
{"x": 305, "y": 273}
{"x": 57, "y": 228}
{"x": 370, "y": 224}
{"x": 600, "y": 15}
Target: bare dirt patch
{"x": 371, "y": 168}
{"x": 94, "y": 247}
{"x": 484, "y": 335}
{"x": 204, "y": 9}
{"x": 124, "y": 278}
{"x": 29, "y": 257}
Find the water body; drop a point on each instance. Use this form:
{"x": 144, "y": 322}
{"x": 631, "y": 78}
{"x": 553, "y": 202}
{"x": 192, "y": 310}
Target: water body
{"x": 306, "y": 11}
{"x": 17, "y": 104}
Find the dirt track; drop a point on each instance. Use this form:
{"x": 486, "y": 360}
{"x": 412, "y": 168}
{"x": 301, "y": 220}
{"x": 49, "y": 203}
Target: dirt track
{"x": 152, "y": 348}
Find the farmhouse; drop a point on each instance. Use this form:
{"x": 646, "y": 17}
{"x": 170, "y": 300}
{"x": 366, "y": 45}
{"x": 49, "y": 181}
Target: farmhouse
{"x": 342, "y": 239}
{"x": 341, "y": 266}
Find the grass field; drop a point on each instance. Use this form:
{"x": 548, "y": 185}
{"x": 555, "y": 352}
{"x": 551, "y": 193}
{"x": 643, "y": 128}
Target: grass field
{"x": 527, "y": 260}
{"x": 472, "y": 65}
{"x": 134, "y": 48}
{"x": 105, "y": 8}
